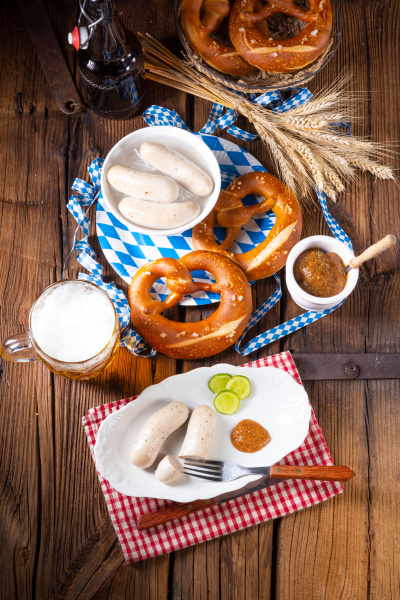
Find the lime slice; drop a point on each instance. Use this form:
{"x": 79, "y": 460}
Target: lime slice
{"x": 218, "y": 382}
{"x": 240, "y": 385}
{"x": 226, "y": 403}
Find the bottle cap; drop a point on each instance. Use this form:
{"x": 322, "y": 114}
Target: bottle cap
{"x": 78, "y": 37}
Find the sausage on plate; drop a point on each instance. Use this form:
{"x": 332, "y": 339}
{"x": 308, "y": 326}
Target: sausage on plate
{"x": 169, "y": 469}
{"x": 155, "y": 431}
{"x": 173, "y": 164}
{"x": 139, "y": 184}
{"x": 158, "y": 216}
{"x": 200, "y": 433}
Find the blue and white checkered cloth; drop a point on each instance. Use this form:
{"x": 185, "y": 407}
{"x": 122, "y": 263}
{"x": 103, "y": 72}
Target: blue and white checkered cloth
{"x": 127, "y": 251}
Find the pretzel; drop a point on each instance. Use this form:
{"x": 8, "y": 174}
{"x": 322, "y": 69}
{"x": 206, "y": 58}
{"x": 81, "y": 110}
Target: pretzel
{"x": 202, "y": 338}
{"x": 271, "y": 254}
{"x": 197, "y": 30}
{"x": 248, "y": 29}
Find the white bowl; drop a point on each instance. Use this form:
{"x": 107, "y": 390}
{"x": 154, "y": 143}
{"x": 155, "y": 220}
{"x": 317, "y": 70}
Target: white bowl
{"x": 328, "y": 244}
{"x": 189, "y": 145}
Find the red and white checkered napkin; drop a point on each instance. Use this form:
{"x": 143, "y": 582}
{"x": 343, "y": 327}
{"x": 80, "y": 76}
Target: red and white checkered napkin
{"x": 277, "y": 501}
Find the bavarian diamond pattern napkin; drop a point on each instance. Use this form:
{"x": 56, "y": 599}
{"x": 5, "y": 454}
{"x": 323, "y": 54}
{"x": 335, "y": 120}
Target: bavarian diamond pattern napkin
{"x": 282, "y": 499}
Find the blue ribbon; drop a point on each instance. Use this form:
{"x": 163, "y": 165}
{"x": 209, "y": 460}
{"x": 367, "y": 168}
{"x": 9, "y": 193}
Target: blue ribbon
{"x": 224, "y": 118}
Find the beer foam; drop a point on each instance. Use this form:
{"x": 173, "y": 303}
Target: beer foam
{"x": 72, "y": 322}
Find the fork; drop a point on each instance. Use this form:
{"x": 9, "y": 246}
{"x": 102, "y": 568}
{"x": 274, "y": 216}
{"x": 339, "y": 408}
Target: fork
{"x": 215, "y": 470}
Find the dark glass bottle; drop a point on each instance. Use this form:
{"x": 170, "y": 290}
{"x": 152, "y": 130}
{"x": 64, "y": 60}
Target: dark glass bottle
{"x": 111, "y": 65}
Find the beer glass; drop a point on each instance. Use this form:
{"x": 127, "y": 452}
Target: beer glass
{"x": 72, "y": 317}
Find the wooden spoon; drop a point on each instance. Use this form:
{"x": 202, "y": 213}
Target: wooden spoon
{"x": 371, "y": 252}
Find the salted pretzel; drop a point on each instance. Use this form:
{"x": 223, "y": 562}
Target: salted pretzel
{"x": 197, "y": 30}
{"x": 248, "y": 29}
{"x": 271, "y": 254}
{"x": 202, "y": 338}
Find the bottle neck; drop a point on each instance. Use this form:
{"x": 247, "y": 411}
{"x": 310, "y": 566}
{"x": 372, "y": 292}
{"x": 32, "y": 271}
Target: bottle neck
{"x": 100, "y": 9}
{"x": 108, "y": 40}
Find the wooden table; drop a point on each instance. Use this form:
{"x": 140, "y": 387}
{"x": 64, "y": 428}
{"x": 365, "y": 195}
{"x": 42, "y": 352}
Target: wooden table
{"x": 56, "y": 538}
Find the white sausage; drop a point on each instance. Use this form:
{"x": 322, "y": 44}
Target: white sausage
{"x": 173, "y": 164}
{"x": 156, "y": 215}
{"x": 138, "y": 184}
{"x": 200, "y": 433}
{"x": 169, "y": 469}
{"x": 155, "y": 431}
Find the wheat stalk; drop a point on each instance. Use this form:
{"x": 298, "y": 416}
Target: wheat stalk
{"x": 301, "y": 122}
{"x": 307, "y": 150}
{"x": 381, "y": 171}
{"x": 303, "y": 180}
{"x": 282, "y": 163}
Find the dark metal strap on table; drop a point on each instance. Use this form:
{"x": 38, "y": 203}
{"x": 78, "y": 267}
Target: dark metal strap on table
{"x": 319, "y": 367}
{"x": 50, "y": 57}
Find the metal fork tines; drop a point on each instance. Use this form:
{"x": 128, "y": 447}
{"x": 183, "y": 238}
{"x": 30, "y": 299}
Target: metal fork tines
{"x": 215, "y": 470}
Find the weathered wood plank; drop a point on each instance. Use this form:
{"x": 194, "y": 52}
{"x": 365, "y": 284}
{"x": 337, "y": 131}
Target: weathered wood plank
{"x": 384, "y": 488}
{"x": 327, "y": 550}
{"x": 28, "y": 220}
{"x": 382, "y": 210}
{"x": 382, "y": 22}
{"x": 183, "y": 584}
{"x": 206, "y": 571}
{"x": 148, "y": 579}
{"x": 323, "y": 552}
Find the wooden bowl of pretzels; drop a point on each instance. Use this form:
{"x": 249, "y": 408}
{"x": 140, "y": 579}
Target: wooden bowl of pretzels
{"x": 259, "y": 45}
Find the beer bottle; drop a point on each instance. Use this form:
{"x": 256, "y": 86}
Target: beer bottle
{"x": 110, "y": 61}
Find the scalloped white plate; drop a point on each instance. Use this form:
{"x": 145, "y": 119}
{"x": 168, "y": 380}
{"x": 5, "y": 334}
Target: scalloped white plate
{"x": 277, "y": 402}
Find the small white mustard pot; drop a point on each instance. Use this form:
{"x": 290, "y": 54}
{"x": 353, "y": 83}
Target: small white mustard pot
{"x": 327, "y": 244}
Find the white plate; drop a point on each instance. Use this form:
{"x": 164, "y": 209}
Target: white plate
{"x": 277, "y": 402}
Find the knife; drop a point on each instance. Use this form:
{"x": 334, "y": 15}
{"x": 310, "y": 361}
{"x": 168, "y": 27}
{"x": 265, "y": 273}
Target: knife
{"x": 278, "y": 473}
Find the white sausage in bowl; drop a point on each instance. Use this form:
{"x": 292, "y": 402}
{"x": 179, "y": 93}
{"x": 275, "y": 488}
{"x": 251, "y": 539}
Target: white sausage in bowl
{"x": 156, "y": 215}
{"x": 155, "y": 431}
{"x": 200, "y": 433}
{"x": 139, "y": 184}
{"x": 173, "y": 164}
{"x": 169, "y": 469}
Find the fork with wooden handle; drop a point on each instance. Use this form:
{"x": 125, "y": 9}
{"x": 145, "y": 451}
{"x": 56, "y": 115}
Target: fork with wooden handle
{"x": 275, "y": 473}
{"x": 218, "y": 470}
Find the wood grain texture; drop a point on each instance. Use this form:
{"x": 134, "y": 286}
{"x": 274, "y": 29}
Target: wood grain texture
{"x": 335, "y": 473}
{"x": 383, "y": 427}
{"x": 57, "y": 541}
{"x": 343, "y": 569}
{"x": 323, "y": 553}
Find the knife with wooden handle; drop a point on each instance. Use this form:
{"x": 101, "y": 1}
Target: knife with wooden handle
{"x": 282, "y": 472}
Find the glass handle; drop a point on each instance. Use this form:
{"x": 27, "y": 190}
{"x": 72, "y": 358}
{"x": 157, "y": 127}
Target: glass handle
{"x": 18, "y": 348}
